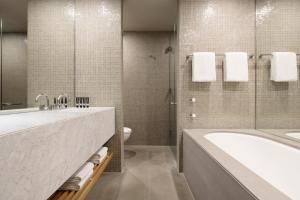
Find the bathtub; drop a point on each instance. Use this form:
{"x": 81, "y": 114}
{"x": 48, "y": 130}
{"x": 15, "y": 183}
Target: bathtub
{"x": 293, "y": 134}
{"x": 240, "y": 164}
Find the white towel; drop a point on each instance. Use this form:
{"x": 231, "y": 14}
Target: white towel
{"x": 83, "y": 181}
{"x": 81, "y": 173}
{"x": 284, "y": 67}
{"x": 236, "y": 67}
{"x": 76, "y": 186}
{"x": 96, "y": 159}
{"x": 102, "y": 151}
{"x": 204, "y": 67}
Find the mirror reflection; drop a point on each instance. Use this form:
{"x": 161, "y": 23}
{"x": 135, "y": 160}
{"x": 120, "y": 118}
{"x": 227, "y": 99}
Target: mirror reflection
{"x": 13, "y": 55}
{"x": 277, "y": 100}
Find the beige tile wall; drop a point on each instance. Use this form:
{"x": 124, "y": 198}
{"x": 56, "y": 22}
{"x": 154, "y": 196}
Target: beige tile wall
{"x": 218, "y": 26}
{"x": 99, "y": 61}
{"x": 278, "y": 29}
{"x": 52, "y": 37}
{"x": 50, "y": 48}
{"x": 146, "y": 87}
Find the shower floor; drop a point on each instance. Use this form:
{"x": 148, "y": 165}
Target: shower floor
{"x": 150, "y": 174}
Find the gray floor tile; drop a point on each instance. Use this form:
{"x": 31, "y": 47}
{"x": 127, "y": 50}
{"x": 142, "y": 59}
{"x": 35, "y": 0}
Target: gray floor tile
{"x": 150, "y": 174}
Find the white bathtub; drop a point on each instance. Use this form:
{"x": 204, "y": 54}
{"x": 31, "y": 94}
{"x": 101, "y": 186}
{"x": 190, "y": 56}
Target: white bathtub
{"x": 240, "y": 164}
{"x": 276, "y": 163}
{"x": 295, "y": 135}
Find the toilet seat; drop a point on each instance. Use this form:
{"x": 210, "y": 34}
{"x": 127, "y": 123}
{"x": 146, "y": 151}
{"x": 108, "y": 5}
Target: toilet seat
{"x": 127, "y": 132}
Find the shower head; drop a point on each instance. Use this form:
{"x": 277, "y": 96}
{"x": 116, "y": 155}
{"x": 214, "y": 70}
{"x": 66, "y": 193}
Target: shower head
{"x": 168, "y": 50}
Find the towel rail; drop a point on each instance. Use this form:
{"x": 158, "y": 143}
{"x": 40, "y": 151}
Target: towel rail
{"x": 268, "y": 54}
{"x": 218, "y": 55}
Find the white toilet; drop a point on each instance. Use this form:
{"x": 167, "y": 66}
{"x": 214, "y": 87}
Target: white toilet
{"x": 127, "y": 133}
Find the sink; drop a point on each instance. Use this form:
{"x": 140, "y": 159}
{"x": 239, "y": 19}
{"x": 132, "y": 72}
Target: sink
{"x": 40, "y": 150}
{"x": 29, "y": 119}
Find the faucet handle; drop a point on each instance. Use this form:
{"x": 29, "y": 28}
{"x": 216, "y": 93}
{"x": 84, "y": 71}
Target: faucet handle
{"x": 43, "y": 107}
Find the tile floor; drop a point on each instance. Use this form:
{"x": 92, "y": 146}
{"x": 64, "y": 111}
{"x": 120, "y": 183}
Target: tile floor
{"x": 150, "y": 174}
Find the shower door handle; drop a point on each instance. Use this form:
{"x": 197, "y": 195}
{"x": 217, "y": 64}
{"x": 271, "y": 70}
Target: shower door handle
{"x": 173, "y": 103}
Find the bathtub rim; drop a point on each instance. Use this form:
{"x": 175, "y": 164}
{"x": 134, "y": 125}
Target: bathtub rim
{"x": 282, "y": 133}
{"x": 248, "y": 180}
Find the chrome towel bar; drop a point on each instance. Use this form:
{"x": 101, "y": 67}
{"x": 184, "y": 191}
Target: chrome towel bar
{"x": 268, "y": 54}
{"x": 188, "y": 57}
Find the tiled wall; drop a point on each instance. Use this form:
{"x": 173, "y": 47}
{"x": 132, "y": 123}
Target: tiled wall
{"x": 99, "y": 61}
{"x": 218, "y": 26}
{"x": 14, "y": 68}
{"x": 278, "y": 29}
{"x": 50, "y": 48}
{"x": 146, "y": 87}
{"x": 93, "y": 27}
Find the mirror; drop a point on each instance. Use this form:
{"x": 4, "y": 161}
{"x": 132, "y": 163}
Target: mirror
{"x": 278, "y": 103}
{"x": 37, "y": 52}
{"x": 13, "y": 55}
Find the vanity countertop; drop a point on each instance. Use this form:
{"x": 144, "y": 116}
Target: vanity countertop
{"x": 30, "y": 118}
{"x": 40, "y": 150}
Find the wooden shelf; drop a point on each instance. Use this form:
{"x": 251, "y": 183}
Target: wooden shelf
{"x": 83, "y": 192}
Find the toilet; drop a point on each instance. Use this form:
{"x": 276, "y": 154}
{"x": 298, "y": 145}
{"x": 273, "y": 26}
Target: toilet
{"x": 127, "y": 132}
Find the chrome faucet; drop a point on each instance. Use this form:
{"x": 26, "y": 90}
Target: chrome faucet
{"x": 43, "y": 107}
{"x": 63, "y": 104}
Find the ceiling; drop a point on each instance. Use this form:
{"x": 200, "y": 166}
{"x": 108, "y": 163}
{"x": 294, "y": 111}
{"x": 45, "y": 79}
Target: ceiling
{"x": 149, "y": 15}
{"x": 14, "y": 15}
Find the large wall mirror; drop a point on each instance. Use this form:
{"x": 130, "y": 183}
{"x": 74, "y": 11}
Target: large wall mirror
{"x": 37, "y": 51}
{"x": 278, "y": 103}
{"x": 13, "y": 54}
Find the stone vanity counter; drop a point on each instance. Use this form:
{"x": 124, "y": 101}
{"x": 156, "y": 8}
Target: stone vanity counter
{"x": 39, "y": 151}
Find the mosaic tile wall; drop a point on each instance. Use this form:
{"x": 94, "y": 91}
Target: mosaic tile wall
{"x": 52, "y": 37}
{"x": 218, "y": 26}
{"x": 278, "y": 29}
{"x": 50, "y": 48}
{"x": 99, "y": 61}
{"x": 146, "y": 87}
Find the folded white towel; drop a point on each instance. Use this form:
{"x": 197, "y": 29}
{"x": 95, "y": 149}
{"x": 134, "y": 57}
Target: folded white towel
{"x": 102, "y": 151}
{"x": 204, "y": 67}
{"x": 83, "y": 181}
{"x": 284, "y": 67}
{"x": 236, "y": 67}
{"x": 96, "y": 159}
{"x": 81, "y": 173}
{"x": 76, "y": 186}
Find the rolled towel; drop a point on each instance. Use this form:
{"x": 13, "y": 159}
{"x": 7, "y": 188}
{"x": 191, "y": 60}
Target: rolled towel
{"x": 81, "y": 173}
{"x": 102, "y": 152}
{"x": 76, "y": 186}
{"x": 97, "y": 160}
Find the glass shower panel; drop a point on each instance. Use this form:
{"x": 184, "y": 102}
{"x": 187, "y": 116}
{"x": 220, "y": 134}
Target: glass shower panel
{"x": 172, "y": 84}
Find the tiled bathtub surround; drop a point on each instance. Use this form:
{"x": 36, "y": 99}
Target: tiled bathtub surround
{"x": 146, "y": 87}
{"x": 217, "y": 26}
{"x": 278, "y": 29}
{"x": 50, "y": 48}
{"x": 99, "y": 61}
